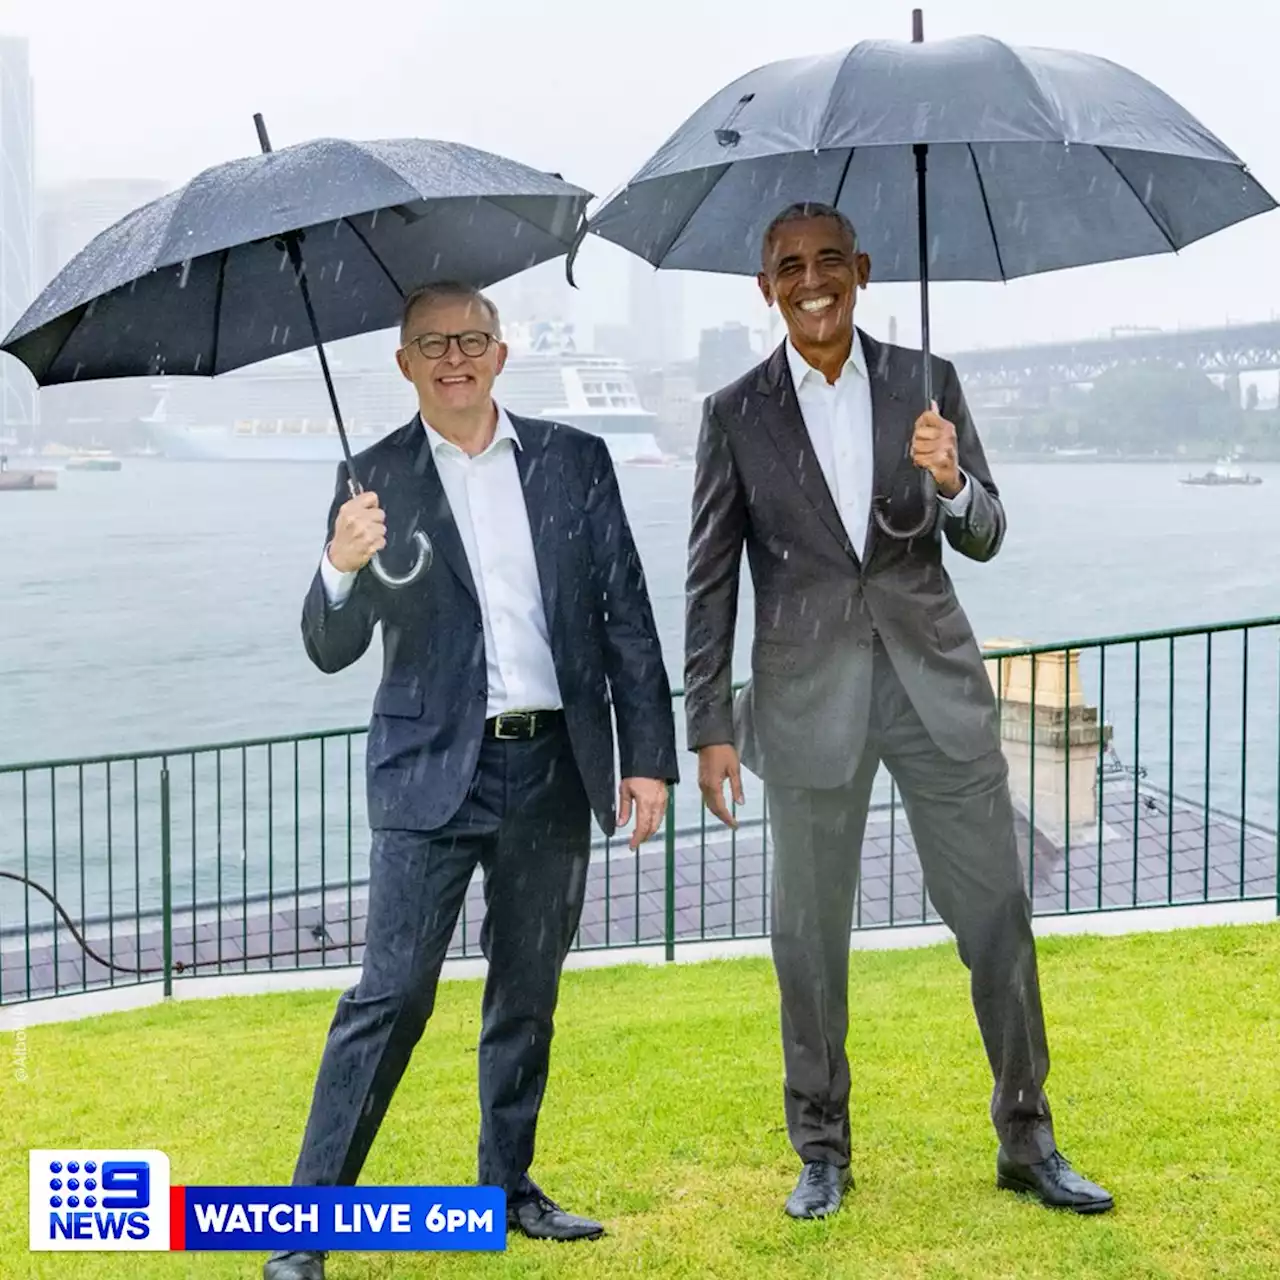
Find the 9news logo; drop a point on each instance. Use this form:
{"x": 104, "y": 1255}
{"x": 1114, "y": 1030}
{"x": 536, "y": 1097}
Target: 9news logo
{"x": 99, "y": 1200}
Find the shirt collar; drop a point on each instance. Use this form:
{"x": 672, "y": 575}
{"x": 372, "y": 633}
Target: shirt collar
{"x": 802, "y": 369}
{"x": 505, "y": 431}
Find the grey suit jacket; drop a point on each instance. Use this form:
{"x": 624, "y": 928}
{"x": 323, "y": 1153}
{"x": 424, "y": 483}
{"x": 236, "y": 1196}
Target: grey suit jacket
{"x": 802, "y": 718}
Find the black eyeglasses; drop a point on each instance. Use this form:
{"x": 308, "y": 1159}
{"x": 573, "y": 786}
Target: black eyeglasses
{"x": 473, "y": 342}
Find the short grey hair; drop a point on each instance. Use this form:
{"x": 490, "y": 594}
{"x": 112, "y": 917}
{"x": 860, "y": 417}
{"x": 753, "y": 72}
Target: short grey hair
{"x": 799, "y": 212}
{"x": 442, "y": 290}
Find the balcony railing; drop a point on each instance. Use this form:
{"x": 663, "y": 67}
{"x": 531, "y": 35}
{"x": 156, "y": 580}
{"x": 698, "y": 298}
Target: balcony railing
{"x": 1145, "y": 770}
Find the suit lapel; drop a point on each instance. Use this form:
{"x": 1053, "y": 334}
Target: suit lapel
{"x": 434, "y": 515}
{"x": 780, "y": 413}
{"x": 543, "y": 503}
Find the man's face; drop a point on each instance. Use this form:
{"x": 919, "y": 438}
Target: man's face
{"x": 453, "y": 381}
{"x": 813, "y": 271}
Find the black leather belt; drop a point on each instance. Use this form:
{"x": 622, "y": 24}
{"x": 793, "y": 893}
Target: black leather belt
{"x": 520, "y": 726}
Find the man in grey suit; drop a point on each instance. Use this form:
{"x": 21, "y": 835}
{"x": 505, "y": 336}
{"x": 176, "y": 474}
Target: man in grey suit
{"x": 862, "y": 654}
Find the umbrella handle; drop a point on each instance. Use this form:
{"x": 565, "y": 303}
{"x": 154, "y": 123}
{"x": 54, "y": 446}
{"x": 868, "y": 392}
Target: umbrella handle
{"x": 929, "y": 495}
{"x": 426, "y": 553}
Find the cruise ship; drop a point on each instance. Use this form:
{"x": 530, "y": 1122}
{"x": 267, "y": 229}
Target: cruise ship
{"x": 277, "y": 413}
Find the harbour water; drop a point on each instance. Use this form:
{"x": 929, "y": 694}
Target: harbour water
{"x": 157, "y": 608}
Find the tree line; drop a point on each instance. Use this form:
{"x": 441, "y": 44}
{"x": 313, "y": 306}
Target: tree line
{"x": 1152, "y": 410}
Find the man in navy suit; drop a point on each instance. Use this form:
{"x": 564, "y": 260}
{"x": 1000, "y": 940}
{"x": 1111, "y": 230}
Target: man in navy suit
{"x": 491, "y": 741}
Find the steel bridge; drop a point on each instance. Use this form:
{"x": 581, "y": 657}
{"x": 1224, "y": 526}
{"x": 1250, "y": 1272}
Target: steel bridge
{"x": 1228, "y": 351}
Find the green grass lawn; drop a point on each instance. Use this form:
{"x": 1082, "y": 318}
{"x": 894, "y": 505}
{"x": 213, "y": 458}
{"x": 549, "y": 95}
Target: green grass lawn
{"x": 664, "y": 1119}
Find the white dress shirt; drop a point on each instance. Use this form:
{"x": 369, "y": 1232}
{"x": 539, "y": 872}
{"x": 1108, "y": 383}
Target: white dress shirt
{"x": 838, "y": 419}
{"x": 487, "y": 501}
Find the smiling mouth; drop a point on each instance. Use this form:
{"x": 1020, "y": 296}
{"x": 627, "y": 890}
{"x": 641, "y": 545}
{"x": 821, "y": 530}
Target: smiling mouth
{"x": 815, "y": 306}
{"x": 455, "y": 379}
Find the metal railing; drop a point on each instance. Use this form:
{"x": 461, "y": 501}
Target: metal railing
{"x": 1145, "y": 770}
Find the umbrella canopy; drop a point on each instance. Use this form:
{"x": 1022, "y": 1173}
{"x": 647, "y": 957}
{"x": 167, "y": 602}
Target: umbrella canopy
{"x": 963, "y": 159}
{"x": 1038, "y": 159}
{"x": 200, "y": 281}
{"x": 319, "y": 241}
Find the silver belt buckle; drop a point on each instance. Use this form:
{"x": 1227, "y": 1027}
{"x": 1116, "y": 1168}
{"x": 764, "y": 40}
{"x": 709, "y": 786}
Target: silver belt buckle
{"x": 507, "y": 737}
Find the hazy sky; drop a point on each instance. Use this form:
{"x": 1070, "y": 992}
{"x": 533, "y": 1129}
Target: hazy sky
{"x": 153, "y": 88}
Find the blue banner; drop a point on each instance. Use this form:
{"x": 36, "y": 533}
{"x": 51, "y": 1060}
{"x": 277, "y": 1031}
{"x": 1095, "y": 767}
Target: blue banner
{"x": 338, "y": 1218}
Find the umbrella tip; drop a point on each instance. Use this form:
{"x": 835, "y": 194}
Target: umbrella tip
{"x": 261, "y": 125}
{"x": 917, "y": 26}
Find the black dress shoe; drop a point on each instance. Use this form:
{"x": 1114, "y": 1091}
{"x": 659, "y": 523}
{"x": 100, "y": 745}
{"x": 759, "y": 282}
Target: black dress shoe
{"x": 819, "y": 1191}
{"x": 540, "y": 1218}
{"x": 290, "y": 1264}
{"x": 1053, "y": 1182}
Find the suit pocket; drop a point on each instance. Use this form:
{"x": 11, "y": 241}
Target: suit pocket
{"x": 952, "y": 628}
{"x": 403, "y": 700}
{"x": 777, "y": 657}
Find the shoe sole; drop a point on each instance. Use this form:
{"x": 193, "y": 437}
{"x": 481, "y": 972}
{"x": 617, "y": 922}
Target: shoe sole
{"x": 594, "y": 1235}
{"x": 1019, "y": 1188}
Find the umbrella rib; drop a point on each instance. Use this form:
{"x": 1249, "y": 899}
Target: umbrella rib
{"x": 986, "y": 208}
{"x": 386, "y": 271}
{"x": 688, "y": 218}
{"x": 844, "y": 173}
{"x": 829, "y": 109}
{"x": 1124, "y": 177}
{"x": 217, "y": 311}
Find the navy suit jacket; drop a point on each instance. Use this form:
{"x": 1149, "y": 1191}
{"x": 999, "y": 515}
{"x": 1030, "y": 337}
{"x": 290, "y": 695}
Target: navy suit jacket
{"x": 430, "y": 708}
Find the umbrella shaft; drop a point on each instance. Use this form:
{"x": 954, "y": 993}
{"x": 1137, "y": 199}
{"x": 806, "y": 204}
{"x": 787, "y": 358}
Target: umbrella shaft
{"x": 294, "y": 249}
{"x": 922, "y": 227}
{"x": 300, "y": 273}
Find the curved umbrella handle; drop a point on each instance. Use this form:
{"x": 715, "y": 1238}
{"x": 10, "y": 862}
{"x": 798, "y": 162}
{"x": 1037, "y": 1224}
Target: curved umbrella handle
{"x": 426, "y": 553}
{"x": 929, "y": 494}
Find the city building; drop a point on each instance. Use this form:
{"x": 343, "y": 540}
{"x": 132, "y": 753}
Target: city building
{"x": 725, "y": 353}
{"x": 655, "y": 315}
{"x": 17, "y": 227}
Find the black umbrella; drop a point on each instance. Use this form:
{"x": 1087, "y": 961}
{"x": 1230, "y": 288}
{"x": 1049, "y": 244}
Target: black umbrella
{"x": 261, "y": 256}
{"x": 1038, "y": 159}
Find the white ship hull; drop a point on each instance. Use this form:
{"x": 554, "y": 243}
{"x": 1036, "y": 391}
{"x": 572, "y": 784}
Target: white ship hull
{"x": 544, "y": 377}
{"x": 222, "y": 444}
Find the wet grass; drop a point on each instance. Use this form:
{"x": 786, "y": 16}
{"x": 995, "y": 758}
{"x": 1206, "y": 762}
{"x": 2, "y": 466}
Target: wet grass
{"x": 663, "y": 1118}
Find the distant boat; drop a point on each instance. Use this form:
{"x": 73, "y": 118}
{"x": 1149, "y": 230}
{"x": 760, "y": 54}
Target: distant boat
{"x": 93, "y": 460}
{"x": 649, "y": 460}
{"x": 1224, "y": 473}
{"x": 19, "y": 481}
